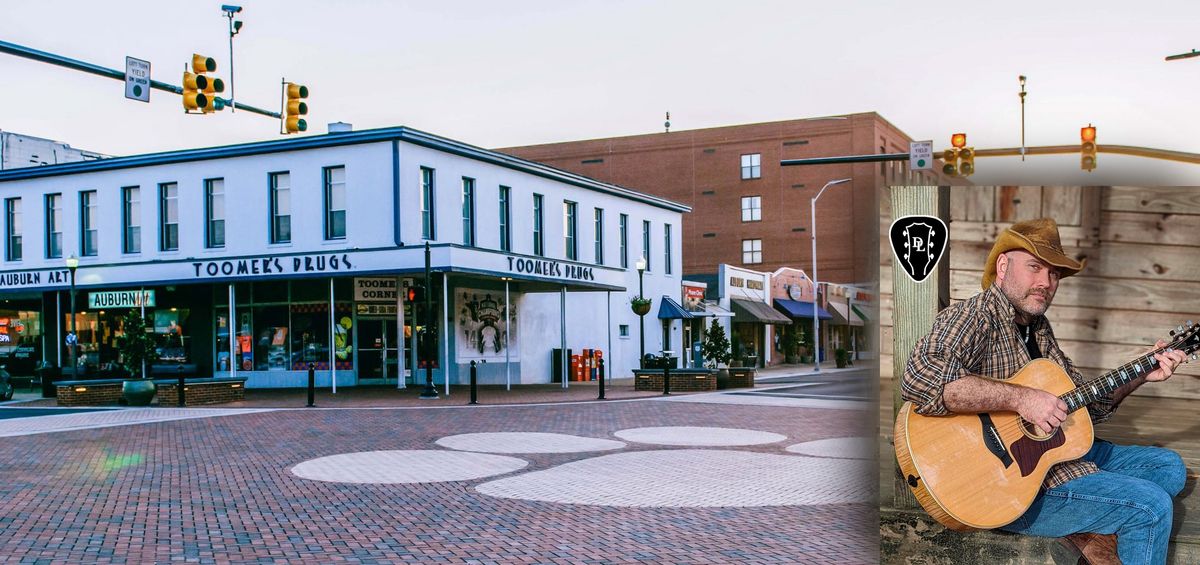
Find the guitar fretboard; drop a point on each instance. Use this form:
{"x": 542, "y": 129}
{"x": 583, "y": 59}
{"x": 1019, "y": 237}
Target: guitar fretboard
{"x": 1100, "y": 387}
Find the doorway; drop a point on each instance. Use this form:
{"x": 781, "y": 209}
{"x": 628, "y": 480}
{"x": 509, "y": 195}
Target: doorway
{"x": 378, "y": 339}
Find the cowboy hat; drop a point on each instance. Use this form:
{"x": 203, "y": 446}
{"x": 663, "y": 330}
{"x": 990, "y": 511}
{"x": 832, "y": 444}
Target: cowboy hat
{"x": 1039, "y": 237}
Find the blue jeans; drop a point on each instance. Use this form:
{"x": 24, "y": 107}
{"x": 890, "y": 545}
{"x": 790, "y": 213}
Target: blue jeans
{"x": 1131, "y": 496}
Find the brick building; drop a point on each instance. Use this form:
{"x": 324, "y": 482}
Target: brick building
{"x": 747, "y": 210}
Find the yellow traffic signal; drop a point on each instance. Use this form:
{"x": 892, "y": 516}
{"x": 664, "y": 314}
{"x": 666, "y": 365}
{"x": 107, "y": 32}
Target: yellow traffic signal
{"x": 958, "y": 140}
{"x": 295, "y": 107}
{"x": 199, "y": 90}
{"x": 193, "y": 95}
{"x": 950, "y": 162}
{"x": 1087, "y": 148}
{"x": 966, "y": 164}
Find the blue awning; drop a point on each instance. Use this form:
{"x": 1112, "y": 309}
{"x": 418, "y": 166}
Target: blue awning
{"x": 797, "y": 309}
{"x": 668, "y": 309}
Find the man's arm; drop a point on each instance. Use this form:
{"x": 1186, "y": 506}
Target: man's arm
{"x": 970, "y": 394}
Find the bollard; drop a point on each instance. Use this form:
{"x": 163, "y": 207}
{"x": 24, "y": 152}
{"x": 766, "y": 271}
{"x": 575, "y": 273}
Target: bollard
{"x": 312, "y": 384}
{"x": 666, "y": 377}
{"x": 601, "y": 376}
{"x": 473, "y": 383}
{"x": 182, "y": 400}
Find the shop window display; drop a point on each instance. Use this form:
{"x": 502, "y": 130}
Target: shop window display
{"x": 20, "y": 340}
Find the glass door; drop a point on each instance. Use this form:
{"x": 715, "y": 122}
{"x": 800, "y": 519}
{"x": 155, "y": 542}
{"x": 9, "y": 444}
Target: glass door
{"x": 377, "y": 350}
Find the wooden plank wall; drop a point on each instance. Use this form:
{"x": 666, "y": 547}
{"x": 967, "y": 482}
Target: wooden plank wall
{"x": 1142, "y": 278}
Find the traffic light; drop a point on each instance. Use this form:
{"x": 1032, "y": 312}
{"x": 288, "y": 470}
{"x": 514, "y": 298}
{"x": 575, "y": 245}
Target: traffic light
{"x": 199, "y": 90}
{"x": 416, "y": 293}
{"x": 966, "y": 163}
{"x": 294, "y": 107}
{"x": 950, "y": 162}
{"x": 1087, "y": 147}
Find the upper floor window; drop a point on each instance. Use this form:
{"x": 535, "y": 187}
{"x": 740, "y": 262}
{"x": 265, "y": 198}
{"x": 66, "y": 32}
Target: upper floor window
{"x": 214, "y": 213}
{"x": 751, "y": 208}
{"x": 646, "y": 243}
{"x": 335, "y": 202}
{"x": 468, "y": 211}
{"x": 599, "y": 229}
{"x": 623, "y": 227}
{"x": 12, "y": 243}
{"x": 505, "y": 218}
{"x": 87, "y": 223}
{"x": 168, "y": 214}
{"x": 281, "y": 208}
{"x": 751, "y": 251}
{"x": 667, "y": 248}
{"x": 539, "y": 240}
{"x": 570, "y": 230}
{"x": 54, "y": 236}
{"x": 131, "y": 219}
{"x": 427, "y": 227}
{"x": 752, "y": 166}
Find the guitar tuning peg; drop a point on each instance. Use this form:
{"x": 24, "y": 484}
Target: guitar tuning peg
{"x": 1171, "y": 333}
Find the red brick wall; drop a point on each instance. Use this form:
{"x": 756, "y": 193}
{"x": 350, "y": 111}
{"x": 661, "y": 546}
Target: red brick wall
{"x": 679, "y": 382}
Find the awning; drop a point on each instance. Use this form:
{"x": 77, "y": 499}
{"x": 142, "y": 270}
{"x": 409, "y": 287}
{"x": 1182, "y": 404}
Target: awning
{"x": 860, "y": 313}
{"x": 797, "y": 309}
{"x": 668, "y": 309}
{"x": 756, "y": 312}
{"x": 714, "y": 309}
{"x": 842, "y": 316}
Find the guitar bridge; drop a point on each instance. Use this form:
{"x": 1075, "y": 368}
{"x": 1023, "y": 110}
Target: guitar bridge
{"x": 991, "y": 439}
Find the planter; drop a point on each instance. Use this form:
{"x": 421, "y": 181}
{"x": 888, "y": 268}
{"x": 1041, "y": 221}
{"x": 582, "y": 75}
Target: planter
{"x": 641, "y": 309}
{"x": 722, "y": 378}
{"x": 138, "y": 392}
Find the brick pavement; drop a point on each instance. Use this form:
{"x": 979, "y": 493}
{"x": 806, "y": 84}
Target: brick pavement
{"x": 220, "y": 490}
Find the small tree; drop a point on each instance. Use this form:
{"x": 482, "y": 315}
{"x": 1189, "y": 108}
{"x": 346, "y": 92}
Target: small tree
{"x": 136, "y": 346}
{"x": 791, "y": 343}
{"x": 715, "y": 347}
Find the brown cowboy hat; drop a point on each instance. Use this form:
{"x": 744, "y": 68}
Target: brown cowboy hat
{"x": 1039, "y": 237}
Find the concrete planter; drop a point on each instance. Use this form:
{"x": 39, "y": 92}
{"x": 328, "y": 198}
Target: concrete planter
{"x": 138, "y": 392}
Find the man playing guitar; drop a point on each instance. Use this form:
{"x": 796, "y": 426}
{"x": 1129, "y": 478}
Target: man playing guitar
{"x": 974, "y": 346}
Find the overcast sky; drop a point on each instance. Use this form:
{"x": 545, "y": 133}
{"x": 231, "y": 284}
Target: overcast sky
{"x": 511, "y": 73}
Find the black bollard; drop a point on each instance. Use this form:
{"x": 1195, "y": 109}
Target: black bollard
{"x": 666, "y": 376}
{"x": 182, "y": 399}
{"x": 601, "y": 376}
{"x": 312, "y": 384}
{"x": 473, "y": 383}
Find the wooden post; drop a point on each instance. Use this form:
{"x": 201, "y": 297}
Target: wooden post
{"x": 915, "y": 305}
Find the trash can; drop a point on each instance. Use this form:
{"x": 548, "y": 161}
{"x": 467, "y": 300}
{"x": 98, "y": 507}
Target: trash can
{"x": 556, "y": 364}
{"x": 48, "y": 374}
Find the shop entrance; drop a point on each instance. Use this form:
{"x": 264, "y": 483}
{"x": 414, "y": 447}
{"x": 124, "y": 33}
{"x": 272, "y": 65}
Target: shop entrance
{"x": 378, "y": 339}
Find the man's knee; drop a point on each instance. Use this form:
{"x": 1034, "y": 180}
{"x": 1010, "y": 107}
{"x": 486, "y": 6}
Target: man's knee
{"x": 1156, "y": 507}
{"x": 1174, "y": 472}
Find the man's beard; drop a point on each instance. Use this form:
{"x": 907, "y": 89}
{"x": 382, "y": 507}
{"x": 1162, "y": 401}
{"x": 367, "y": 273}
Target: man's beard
{"x": 1023, "y": 301}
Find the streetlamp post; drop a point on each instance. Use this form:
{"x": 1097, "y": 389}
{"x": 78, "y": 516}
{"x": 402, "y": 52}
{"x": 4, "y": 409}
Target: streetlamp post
{"x": 641, "y": 269}
{"x": 813, "y": 235}
{"x": 72, "y": 264}
{"x": 234, "y": 28}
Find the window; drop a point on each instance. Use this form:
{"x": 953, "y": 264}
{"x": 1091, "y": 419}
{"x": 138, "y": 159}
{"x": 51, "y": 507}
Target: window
{"x": 667, "y": 248}
{"x": 54, "y": 226}
{"x": 131, "y": 219}
{"x": 468, "y": 211}
{"x": 87, "y": 223}
{"x": 570, "y": 227}
{"x": 335, "y": 203}
{"x": 623, "y": 330}
{"x": 281, "y": 208}
{"x": 505, "y": 218}
{"x": 168, "y": 216}
{"x": 623, "y": 225}
{"x": 751, "y": 251}
{"x": 214, "y": 213}
{"x": 538, "y": 235}
{"x": 752, "y": 166}
{"x": 646, "y": 243}
{"x": 427, "y": 227}
{"x": 751, "y": 208}
{"x": 599, "y": 236}
{"x": 12, "y": 243}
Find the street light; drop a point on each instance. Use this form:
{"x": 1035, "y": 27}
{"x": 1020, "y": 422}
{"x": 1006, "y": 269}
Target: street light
{"x": 72, "y": 264}
{"x": 641, "y": 269}
{"x": 234, "y": 28}
{"x": 816, "y": 320}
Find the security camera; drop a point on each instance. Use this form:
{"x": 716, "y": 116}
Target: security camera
{"x": 231, "y": 9}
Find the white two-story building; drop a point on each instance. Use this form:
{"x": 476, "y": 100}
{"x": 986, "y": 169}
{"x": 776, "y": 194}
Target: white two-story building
{"x": 256, "y": 260}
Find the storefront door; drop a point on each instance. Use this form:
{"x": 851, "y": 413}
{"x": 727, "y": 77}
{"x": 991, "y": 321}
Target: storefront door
{"x": 377, "y": 353}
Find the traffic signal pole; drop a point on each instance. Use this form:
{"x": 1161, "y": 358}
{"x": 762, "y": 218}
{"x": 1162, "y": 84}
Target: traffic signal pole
{"x": 76, "y": 65}
{"x": 1148, "y": 152}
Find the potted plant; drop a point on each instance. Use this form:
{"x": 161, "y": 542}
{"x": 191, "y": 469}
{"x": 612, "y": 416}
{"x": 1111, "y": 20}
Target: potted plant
{"x": 640, "y": 305}
{"x": 715, "y": 350}
{"x": 791, "y": 347}
{"x": 843, "y": 358}
{"x": 137, "y": 349}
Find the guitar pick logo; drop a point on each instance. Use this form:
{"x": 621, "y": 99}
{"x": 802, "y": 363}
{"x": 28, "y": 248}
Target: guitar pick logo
{"x": 918, "y": 243}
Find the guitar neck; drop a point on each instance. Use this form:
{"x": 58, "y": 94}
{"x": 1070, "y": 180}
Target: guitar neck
{"x": 1100, "y": 387}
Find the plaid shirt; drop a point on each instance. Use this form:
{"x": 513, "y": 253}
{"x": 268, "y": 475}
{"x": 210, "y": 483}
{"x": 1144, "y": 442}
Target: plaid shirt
{"x": 979, "y": 337}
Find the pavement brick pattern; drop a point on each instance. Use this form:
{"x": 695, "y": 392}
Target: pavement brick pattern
{"x": 841, "y": 447}
{"x": 219, "y": 489}
{"x": 527, "y": 442}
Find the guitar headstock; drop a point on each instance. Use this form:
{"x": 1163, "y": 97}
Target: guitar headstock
{"x": 1186, "y": 338}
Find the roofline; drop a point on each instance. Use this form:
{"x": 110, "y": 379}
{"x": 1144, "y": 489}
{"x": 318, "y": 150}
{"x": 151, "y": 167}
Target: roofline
{"x": 400, "y": 133}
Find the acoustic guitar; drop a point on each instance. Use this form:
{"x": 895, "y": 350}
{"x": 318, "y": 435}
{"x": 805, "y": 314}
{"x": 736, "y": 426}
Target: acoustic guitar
{"x": 982, "y": 471}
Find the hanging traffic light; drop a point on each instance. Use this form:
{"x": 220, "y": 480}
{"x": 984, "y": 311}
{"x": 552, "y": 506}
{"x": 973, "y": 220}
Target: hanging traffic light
{"x": 966, "y": 163}
{"x": 950, "y": 162}
{"x": 199, "y": 90}
{"x": 958, "y": 140}
{"x": 294, "y": 107}
{"x": 416, "y": 293}
{"x": 1087, "y": 148}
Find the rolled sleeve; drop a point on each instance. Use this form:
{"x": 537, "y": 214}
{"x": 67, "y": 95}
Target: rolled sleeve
{"x": 940, "y": 357}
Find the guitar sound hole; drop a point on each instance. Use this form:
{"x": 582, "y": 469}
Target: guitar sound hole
{"x": 1032, "y": 432}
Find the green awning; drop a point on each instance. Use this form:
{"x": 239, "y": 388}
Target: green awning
{"x": 860, "y": 314}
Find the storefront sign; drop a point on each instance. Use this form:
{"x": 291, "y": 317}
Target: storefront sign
{"x": 693, "y": 292}
{"x": 273, "y": 266}
{"x": 550, "y": 269}
{"x": 10, "y": 280}
{"x": 375, "y": 290}
{"x": 121, "y": 299}
{"x": 376, "y": 309}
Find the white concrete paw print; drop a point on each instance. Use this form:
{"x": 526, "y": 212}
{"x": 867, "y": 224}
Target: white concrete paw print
{"x": 828, "y": 471}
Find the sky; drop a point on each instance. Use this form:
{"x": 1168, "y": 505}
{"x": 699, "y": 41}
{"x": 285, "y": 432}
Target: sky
{"x": 497, "y": 74}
